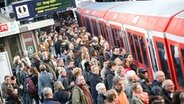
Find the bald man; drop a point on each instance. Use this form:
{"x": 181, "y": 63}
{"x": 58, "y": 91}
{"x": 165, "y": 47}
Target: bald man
{"x": 156, "y": 86}
{"x": 167, "y": 91}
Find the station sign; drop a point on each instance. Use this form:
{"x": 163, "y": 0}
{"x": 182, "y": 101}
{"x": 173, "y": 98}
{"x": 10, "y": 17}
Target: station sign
{"x": 23, "y": 9}
{"x": 31, "y": 8}
{"x": 9, "y": 28}
{"x": 47, "y": 6}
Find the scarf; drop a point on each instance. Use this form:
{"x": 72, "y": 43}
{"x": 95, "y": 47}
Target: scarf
{"x": 143, "y": 96}
{"x": 87, "y": 94}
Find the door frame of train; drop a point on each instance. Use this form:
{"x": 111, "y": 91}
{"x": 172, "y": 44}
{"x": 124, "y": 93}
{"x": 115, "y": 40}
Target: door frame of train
{"x": 161, "y": 39}
{"x": 140, "y": 34}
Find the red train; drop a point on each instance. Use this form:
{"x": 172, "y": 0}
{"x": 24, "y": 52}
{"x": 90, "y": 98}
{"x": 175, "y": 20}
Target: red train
{"x": 152, "y": 31}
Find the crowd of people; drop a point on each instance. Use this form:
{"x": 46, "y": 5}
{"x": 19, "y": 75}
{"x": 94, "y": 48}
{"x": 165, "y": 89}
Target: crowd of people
{"x": 72, "y": 67}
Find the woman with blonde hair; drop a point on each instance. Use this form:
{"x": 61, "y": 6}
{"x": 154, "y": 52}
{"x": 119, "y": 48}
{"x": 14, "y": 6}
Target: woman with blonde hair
{"x": 59, "y": 93}
{"x": 111, "y": 97}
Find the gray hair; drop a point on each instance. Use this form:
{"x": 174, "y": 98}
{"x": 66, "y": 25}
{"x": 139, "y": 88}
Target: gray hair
{"x": 47, "y": 91}
{"x": 129, "y": 74}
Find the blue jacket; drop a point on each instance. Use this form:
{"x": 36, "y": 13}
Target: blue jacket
{"x": 44, "y": 80}
{"x": 50, "y": 101}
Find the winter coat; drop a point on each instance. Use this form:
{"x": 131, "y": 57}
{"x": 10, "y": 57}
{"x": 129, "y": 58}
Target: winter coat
{"x": 94, "y": 80}
{"x": 44, "y": 80}
{"x": 136, "y": 100}
{"x": 61, "y": 96}
{"x": 108, "y": 78}
{"x": 101, "y": 99}
{"x": 50, "y": 101}
{"x": 78, "y": 96}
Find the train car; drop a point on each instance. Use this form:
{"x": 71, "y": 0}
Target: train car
{"x": 152, "y": 31}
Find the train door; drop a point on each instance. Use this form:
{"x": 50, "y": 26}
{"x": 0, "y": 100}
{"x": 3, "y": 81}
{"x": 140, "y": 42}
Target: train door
{"x": 139, "y": 50}
{"x": 176, "y": 51}
{"x": 162, "y": 56}
{"x": 117, "y": 36}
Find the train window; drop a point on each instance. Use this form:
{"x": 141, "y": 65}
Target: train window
{"x": 177, "y": 65}
{"x": 126, "y": 41}
{"x": 95, "y": 28}
{"x": 102, "y": 30}
{"x": 182, "y": 53}
{"x": 108, "y": 35}
{"x": 132, "y": 45}
{"x": 163, "y": 60}
{"x": 137, "y": 48}
{"x": 88, "y": 25}
{"x": 141, "y": 40}
{"x": 115, "y": 36}
{"x": 121, "y": 41}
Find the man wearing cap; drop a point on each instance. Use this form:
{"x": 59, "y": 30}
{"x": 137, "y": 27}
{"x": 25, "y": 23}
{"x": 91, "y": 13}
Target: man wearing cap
{"x": 144, "y": 80}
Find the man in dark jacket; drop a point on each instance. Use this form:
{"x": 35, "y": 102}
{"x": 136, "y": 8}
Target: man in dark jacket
{"x": 70, "y": 65}
{"x": 115, "y": 54}
{"x": 144, "y": 80}
{"x": 156, "y": 86}
{"x": 94, "y": 80}
{"x": 109, "y": 74}
{"x": 167, "y": 91}
{"x": 48, "y": 96}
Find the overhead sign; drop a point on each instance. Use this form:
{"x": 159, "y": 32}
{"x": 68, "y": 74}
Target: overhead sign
{"x": 23, "y": 9}
{"x": 9, "y": 28}
{"x": 46, "y": 6}
{"x": 30, "y": 8}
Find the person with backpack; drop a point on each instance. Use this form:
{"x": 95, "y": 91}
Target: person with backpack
{"x": 34, "y": 78}
{"x": 25, "y": 81}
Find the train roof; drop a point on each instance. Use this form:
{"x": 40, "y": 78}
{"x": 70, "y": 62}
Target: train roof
{"x": 158, "y": 15}
{"x": 153, "y": 8}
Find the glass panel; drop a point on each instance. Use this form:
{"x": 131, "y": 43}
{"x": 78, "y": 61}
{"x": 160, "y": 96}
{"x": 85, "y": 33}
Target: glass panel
{"x": 177, "y": 65}
{"x": 121, "y": 41}
{"x": 14, "y": 48}
{"x": 132, "y": 46}
{"x": 108, "y": 35}
{"x": 114, "y": 36}
{"x": 2, "y": 45}
{"x": 163, "y": 60}
{"x": 137, "y": 48}
{"x": 102, "y": 30}
{"x": 95, "y": 28}
{"x": 141, "y": 40}
{"x": 126, "y": 41}
{"x": 88, "y": 25}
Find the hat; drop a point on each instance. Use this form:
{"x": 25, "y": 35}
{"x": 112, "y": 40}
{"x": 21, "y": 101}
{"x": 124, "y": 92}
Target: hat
{"x": 141, "y": 70}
